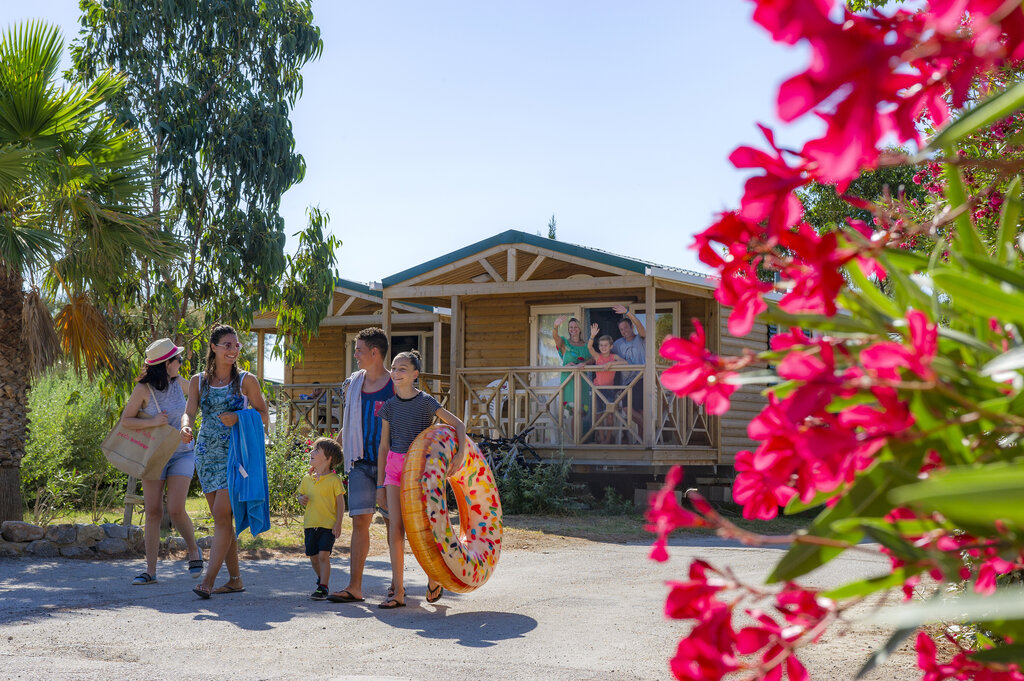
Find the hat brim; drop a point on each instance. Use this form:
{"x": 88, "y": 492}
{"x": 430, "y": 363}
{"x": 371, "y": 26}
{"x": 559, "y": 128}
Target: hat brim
{"x": 159, "y": 360}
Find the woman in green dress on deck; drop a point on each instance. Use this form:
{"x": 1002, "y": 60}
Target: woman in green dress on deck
{"x": 573, "y": 351}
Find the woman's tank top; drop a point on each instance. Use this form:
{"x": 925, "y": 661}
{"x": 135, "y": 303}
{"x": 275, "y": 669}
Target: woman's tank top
{"x": 172, "y": 400}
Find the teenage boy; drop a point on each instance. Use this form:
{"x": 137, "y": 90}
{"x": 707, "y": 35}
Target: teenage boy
{"x": 363, "y": 395}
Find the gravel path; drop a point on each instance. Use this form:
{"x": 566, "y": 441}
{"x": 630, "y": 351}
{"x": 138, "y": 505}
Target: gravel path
{"x": 575, "y": 611}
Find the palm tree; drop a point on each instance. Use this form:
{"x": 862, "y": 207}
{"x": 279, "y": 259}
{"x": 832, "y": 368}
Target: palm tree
{"x": 73, "y": 220}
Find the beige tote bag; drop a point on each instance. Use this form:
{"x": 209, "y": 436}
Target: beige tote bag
{"x": 141, "y": 454}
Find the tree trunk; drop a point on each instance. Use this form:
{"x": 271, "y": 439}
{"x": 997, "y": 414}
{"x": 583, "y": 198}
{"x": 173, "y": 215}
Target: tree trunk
{"x": 13, "y": 386}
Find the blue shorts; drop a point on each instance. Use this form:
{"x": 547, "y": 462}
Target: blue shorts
{"x": 180, "y": 463}
{"x": 319, "y": 539}
{"x": 362, "y": 489}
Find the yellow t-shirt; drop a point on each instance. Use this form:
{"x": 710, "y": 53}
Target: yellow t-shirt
{"x": 321, "y": 509}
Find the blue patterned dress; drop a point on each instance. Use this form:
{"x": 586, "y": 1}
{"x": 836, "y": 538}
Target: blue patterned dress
{"x": 214, "y": 436}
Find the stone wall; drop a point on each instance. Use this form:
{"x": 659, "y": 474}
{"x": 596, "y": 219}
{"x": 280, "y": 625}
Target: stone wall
{"x": 77, "y": 541}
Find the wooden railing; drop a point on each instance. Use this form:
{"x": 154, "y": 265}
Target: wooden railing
{"x": 317, "y": 406}
{"x": 506, "y": 401}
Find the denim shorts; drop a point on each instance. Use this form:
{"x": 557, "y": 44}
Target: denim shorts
{"x": 362, "y": 489}
{"x": 319, "y": 539}
{"x": 180, "y": 463}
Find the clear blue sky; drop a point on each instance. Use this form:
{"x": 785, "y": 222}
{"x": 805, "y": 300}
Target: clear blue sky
{"x": 428, "y": 126}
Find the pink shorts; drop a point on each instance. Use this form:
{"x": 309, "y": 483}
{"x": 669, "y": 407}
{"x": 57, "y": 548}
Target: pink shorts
{"x": 393, "y": 469}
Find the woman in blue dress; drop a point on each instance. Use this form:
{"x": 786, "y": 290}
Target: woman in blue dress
{"x": 217, "y": 394}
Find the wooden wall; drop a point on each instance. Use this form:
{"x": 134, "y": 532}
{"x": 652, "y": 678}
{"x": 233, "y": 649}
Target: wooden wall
{"x": 747, "y": 401}
{"x": 324, "y": 358}
{"x": 497, "y": 332}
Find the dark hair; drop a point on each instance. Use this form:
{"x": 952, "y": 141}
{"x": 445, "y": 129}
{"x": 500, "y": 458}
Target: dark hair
{"x": 375, "y": 338}
{"x": 411, "y": 356}
{"x": 331, "y": 449}
{"x": 156, "y": 376}
{"x": 219, "y": 332}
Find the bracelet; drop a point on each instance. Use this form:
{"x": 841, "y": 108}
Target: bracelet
{"x": 380, "y": 486}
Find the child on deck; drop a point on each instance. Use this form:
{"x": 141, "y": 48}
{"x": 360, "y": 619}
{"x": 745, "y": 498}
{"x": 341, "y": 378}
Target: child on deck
{"x": 602, "y": 379}
{"x": 323, "y": 495}
{"x": 403, "y": 418}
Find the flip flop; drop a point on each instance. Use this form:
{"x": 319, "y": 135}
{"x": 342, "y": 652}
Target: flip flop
{"x": 202, "y": 593}
{"x": 390, "y": 605}
{"x": 225, "y": 589}
{"x": 344, "y": 596}
{"x": 435, "y": 599}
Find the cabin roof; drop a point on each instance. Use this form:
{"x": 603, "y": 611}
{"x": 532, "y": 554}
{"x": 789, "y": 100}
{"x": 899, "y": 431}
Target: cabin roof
{"x": 512, "y": 237}
{"x": 366, "y": 289}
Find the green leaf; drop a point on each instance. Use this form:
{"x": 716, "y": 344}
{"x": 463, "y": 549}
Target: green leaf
{"x": 866, "y": 498}
{"x": 996, "y": 270}
{"x": 869, "y": 291}
{"x": 965, "y": 339}
{"x": 1004, "y": 605}
{"x": 976, "y": 297}
{"x": 988, "y": 111}
{"x": 864, "y": 587}
{"x": 753, "y": 377}
{"x": 1006, "y": 653}
{"x": 966, "y": 236}
{"x": 1009, "y": 220}
{"x": 840, "y": 323}
{"x": 1011, "y": 360}
{"x": 973, "y": 496}
{"x": 882, "y": 654}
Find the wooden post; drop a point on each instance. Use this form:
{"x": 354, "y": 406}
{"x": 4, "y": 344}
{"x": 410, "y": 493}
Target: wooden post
{"x": 454, "y": 362}
{"x": 385, "y": 324}
{"x": 511, "y": 265}
{"x": 260, "y": 351}
{"x": 437, "y": 355}
{"x": 651, "y": 388}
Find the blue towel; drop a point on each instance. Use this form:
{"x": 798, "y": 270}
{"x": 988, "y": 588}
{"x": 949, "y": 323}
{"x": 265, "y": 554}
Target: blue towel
{"x": 247, "y": 474}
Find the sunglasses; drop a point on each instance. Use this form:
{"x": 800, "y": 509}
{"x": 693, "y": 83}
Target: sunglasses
{"x": 229, "y": 346}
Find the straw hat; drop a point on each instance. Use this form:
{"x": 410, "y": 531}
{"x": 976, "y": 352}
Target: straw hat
{"x": 162, "y": 350}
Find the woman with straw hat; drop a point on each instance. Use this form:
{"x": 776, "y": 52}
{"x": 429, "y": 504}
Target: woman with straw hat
{"x": 159, "y": 398}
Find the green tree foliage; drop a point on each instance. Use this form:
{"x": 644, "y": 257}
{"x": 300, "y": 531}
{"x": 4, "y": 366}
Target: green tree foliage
{"x": 552, "y": 228}
{"x": 824, "y": 209}
{"x": 211, "y": 88}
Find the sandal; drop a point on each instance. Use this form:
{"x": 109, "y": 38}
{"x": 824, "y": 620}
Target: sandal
{"x": 391, "y": 592}
{"x": 391, "y": 604}
{"x": 431, "y": 598}
{"x": 144, "y": 578}
{"x": 201, "y": 592}
{"x": 195, "y": 567}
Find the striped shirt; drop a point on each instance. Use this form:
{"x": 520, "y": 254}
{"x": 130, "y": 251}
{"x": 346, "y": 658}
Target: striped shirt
{"x": 408, "y": 418}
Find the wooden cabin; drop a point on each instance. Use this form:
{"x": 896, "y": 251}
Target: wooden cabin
{"x": 311, "y": 388}
{"x": 492, "y": 306}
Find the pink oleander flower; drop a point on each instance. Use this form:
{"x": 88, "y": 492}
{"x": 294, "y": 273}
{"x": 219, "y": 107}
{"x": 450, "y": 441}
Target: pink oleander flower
{"x": 697, "y": 372}
{"x": 743, "y": 291}
{"x": 664, "y": 515}
{"x": 694, "y": 598}
{"x": 774, "y": 641}
{"x": 760, "y": 493}
{"x": 770, "y": 196}
{"x": 991, "y": 568}
{"x": 816, "y": 271}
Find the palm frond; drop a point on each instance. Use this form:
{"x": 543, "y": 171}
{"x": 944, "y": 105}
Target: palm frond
{"x": 22, "y": 246}
{"x": 84, "y": 335}
{"x": 37, "y": 334}
{"x": 15, "y": 168}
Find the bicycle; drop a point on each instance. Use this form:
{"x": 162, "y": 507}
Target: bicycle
{"x": 501, "y": 452}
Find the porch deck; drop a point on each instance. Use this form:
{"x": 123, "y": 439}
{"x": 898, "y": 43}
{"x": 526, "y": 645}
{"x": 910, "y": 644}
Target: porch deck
{"x": 607, "y": 431}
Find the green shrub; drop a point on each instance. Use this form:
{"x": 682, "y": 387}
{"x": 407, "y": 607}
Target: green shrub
{"x": 544, "y": 488}
{"x": 613, "y": 503}
{"x": 68, "y": 421}
{"x": 287, "y": 462}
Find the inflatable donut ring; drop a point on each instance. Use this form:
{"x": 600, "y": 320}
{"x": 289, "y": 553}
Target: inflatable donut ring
{"x": 460, "y": 561}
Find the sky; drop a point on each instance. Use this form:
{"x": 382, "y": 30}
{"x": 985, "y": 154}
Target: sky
{"x": 429, "y": 126}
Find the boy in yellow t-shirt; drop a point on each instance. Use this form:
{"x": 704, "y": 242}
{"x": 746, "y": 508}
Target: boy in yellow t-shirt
{"x": 323, "y": 495}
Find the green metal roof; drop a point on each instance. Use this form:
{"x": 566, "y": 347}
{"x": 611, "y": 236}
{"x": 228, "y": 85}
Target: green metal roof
{"x": 365, "y": 288}
{"x": 513, "y": 236}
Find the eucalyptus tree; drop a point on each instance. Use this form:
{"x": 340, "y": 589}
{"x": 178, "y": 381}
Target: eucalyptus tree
{"x": 73, "y": 218}
{"x": 211, "y": 86}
